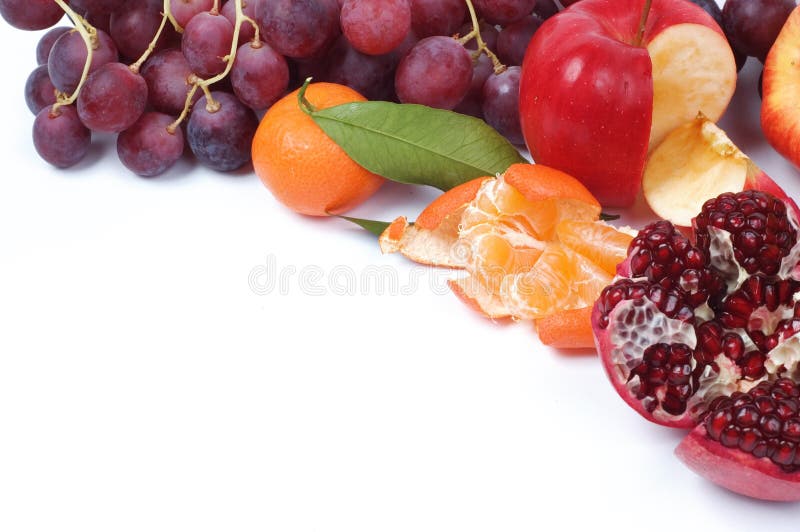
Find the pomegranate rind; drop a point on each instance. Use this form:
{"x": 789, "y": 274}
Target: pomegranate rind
{"x": 607, "y": 348}
{"x": 735, "y": 470}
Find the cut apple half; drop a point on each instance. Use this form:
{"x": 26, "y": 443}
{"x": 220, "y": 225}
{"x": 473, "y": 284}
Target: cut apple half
{"x": 695, "y": 163}
{"x": 693, "y": 71}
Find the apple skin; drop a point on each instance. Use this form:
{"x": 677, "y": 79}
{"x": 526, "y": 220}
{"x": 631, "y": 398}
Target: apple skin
{"x": 586, "y": 92}
{"x": 780, "y": 107}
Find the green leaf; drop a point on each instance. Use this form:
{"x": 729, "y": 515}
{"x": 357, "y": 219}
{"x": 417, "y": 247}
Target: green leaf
{"x": 373, "y": 226}
{"x": 417, "y": 144}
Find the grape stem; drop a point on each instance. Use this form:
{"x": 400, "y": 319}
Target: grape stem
{"x": 89, "y": 35}
{"x": 643, "y": 22}
{"x": 165, "y": 16}
{"x": 212, "y": 106}
{"x": 499, "y": 67}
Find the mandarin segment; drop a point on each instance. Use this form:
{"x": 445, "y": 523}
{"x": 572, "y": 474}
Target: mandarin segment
{"x": 602, "y": 244}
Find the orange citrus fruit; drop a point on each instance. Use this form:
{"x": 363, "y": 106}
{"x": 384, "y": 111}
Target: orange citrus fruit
{"x": 302, "y": 166}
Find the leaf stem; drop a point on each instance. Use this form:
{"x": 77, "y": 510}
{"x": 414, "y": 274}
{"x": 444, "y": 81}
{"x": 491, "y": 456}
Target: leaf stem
{"x": 89, "y": 35}
{"x": 499, "y": 67}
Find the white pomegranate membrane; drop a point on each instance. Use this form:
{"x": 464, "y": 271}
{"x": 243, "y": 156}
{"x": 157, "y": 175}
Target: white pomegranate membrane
{"x": 701, "y": 332}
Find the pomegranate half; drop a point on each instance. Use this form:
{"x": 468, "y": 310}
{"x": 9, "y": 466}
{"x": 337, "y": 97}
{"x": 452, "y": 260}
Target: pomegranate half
{"x": 700, "y": 331}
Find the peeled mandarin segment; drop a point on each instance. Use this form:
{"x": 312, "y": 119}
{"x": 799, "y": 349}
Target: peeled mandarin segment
{"x": 560, "y": 280}
{"x": 568, "y": 329}
{"x": 494, "y": 257}
{"x": 475, "y": 295}
{"x": 600, "y": 243}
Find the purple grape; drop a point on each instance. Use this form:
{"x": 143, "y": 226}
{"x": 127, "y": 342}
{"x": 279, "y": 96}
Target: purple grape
{"x": 514, "y": 38}
{"x": 59, "y": 137}
{"x": 375, "y": 27}
{"x": 753, "y": 25}
{"x": 206, "y": 40}
{"x": 39, "y": 90}
{"x": 472, "y": 104}
{"x": 488, "y": 33}
{"x": 112, "y": 99}
{"x": 31, "y": 14}
{"x": 437, "y": 17}
{"x": 299, "y": 28}
{"x": 436, "y": 72}
{"x": 547, "y": 8}
{"x": 503, "y": 11}
{"x": 167, "y": 76}
{"x": 134, "y": 27}
{"x": 372, "y": 76}
{"x": 501, "y": 104}
{"x": 185, "y": 10}
{"x": 68, "y": 57}
{"x": 98, "y": 6}
{"x": 148, "y": 148}
{"x": 46, "y": 43}
{"x": 246, "y": 32}
{"x": 221, "y": 140}
{"x": 259, "y": 75}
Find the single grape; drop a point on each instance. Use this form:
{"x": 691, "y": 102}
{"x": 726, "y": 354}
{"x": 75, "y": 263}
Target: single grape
{"x": 31, "y": 14}
{"x": 259, "y": 75}
{"x": 547, "y": 8}
{"x": 503, "y": 11}
{"x": 39, "y": 90}
{"x": 753, "y": 25}
{"x": 184, "y": 10}
{"x": 514, "y": 38}
{"x": 372, "y": 76}
{"x": 134, "y": 27}
{"x": 206, "y": 40}
{"x": 221, "y": 139}
{"x": 98, "y": 6}
{"x": 60, "y": 137}
{"x": 68, "y": 56}
{"x": 375, "y": 27}
{"x": 167, "y": 75}
{"x": 298, "y": 28}
{"x": 46, "y": 43}
{"x": 436, "y": 72}
{"x": 472, "y": 104}
{"x": 112, "y": 99}
{"x": 148, "y": 148}
{"x": 246, "y": 32}
{"x": 488, "y": 33}
{"x": 501, "y": 104}
{"x": 437, "y": 17}
{"x": 567, "y": 3}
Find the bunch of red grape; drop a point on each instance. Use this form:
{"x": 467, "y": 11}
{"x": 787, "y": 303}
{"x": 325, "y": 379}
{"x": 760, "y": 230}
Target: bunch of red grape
{"x": 183, "y": 92}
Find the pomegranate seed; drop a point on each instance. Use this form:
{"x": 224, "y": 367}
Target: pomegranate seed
{"x": 791, "y": 429}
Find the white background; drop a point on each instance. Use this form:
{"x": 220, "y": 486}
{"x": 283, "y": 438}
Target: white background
{"x": 145, "y": 386}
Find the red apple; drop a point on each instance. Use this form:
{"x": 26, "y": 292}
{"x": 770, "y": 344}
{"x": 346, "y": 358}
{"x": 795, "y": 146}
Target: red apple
{"x": 594, "y": 97}
{"x": 780, "y": 108}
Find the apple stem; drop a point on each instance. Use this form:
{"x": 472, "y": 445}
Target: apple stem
{"x": 499, "y": 67}
{"x": 643, "y": 22}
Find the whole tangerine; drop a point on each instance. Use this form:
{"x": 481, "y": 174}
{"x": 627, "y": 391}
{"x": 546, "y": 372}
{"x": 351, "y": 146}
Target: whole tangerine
{"x": 301, "y": 165}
